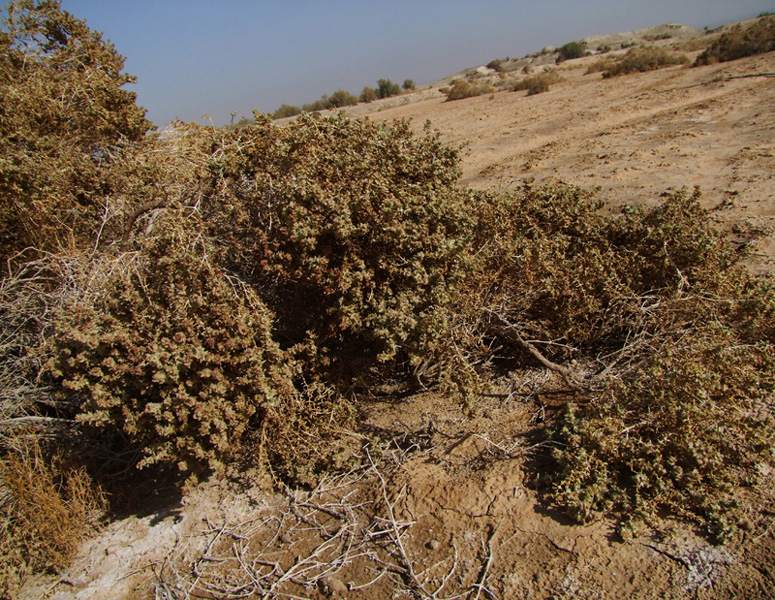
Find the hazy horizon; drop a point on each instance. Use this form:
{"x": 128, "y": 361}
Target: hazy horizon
{"x": 198, "y": 57}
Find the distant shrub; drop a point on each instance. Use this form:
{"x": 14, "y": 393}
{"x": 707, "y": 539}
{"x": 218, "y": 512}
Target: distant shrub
{"x": 368, "y": 95}
{"x": 496, "y": 65}
{"x": 316, "y": 106}
{"x": 341, "y": 98}
{"x": 605, "y": 49}
{"x": 408, "y": 84}
{"x": 571, "y": 50}
{"x": 694, "y": 44}
{"x": 538, "y": 83}
{"x": 643, "y": 59}
{"x": 285, "y": 111}
{"x": 172, "y": 355}
{"x": 386, "y": 88}
{"x": 601, "y": 66}
{"x": 741, "y": 42}
{"x": 461, "y": 89}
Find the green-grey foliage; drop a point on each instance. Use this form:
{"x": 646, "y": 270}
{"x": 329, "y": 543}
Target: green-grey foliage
{"x": 571, "y": 50}
{"x": 386, "y": 88}
{"x": 285, "y": 111}
{"x": 352, "y": 232}
{"x": 173, "y": 355}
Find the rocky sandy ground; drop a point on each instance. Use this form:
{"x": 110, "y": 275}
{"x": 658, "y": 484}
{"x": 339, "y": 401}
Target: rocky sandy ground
{"x": 446, "y": 509}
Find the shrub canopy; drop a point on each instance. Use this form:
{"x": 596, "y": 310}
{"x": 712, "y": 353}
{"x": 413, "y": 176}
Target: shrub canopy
{"x": 66, "y": 123}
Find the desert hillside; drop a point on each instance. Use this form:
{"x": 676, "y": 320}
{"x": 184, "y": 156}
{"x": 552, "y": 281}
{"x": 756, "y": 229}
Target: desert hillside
{"x": 447, "y": 500}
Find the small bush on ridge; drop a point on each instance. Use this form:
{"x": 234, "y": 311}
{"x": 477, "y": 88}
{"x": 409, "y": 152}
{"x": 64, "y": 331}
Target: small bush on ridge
{"x": 285, "y": 111}
{"x": 369, "y": 95}
{"x": 571, "y": 50}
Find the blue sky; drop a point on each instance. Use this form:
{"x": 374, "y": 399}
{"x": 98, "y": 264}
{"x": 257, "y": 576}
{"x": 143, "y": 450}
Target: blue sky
{"x": 206, "y": 57}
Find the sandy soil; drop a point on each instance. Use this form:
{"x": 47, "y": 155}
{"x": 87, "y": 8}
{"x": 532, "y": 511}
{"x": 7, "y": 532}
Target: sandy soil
{"x": 446, "y": 510}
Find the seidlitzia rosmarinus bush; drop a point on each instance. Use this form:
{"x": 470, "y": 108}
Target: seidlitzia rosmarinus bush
{"x": 353, "y": 233}
{"x": 171, "y": 353}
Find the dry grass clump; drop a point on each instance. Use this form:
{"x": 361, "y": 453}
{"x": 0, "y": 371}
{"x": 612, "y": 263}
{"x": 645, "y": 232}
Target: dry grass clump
{"x": 48, "y": 507}
{"x": 740, "y": 42}
{"x": 538, "y": 83}
{"x": 462, "y": 88}
{"x": 639, "y": 60}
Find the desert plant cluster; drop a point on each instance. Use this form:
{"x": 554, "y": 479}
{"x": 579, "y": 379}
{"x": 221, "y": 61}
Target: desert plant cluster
{"x": 741, "y": 41}
{"x": 191, "y": 299}
{"x": 342, "y": 98}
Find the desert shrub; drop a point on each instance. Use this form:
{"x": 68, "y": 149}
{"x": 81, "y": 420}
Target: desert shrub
{"x": 285, "y": 111}
{"x": 683, "y": 415}
{"x": 408, "y": 84}
{"x": 369, "y": 95}
{"x": 601, "y": 66}
{"x": 495, "y": 65}
{"x": 678, "y": 433}
{"x": 341, "y": 98}
{"x": 740, "y": 42}
{"x": 644, "y": 58}
{"x": 684, "y": 337}
{"x": 571, "y": 50}
{"x": 538, "y": 83}
{"x": 386, "y": 88}
{"x": 316, "y": 106}
{"x": 604, "y": 49}
{"x": 48, "y": 507}
{"x": 310, "y": 435}
{"x": 352, "y": 232}
{"x": 67, "y": 122}
{"x": 461, "y": 89}
{"x": 171, "y": 354}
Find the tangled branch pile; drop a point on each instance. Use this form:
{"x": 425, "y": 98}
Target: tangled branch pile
{"x": 205, "y": 295}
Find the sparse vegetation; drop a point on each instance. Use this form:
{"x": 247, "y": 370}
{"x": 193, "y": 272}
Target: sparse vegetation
{"x": 462, "y": 88}
{"x": 213, "y": 295}
{"x": 571, "y": 50}
{"x": 386, "y": 88}
{"x": 538, "y": 83}
{"x": 48, "y": 507}
{"x": 640, "y": 60}
{"x": 741, "y": 42}
{"x": 495, "y": 65}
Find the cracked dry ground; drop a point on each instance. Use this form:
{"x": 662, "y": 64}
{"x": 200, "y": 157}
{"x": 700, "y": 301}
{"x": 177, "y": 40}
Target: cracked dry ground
{"x": 447, "y": 509}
